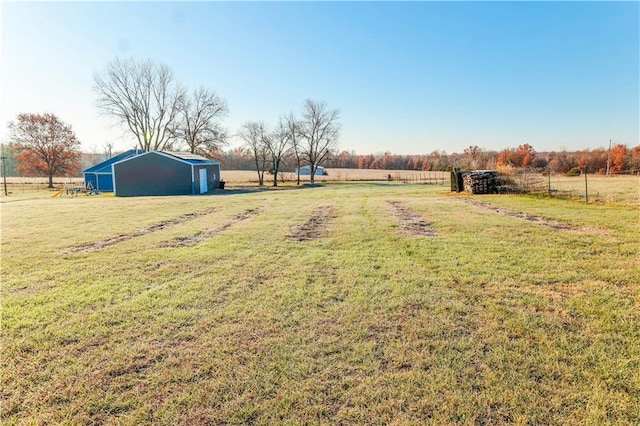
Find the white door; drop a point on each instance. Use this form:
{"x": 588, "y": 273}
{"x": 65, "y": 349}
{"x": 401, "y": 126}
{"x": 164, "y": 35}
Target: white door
{"x": 204, "y": 184}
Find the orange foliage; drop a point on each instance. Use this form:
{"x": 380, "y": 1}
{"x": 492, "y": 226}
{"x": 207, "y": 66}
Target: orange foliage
{"x": 45, "y": 146}
{"x": 618, "y": 158}
{"x": 523, "y": 156}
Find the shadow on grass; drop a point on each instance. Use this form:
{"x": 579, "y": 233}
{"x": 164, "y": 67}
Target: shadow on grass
{"x": 246, "y": 189}
{"x": 242, "y": 189}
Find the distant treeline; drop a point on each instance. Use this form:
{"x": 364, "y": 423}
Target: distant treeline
{"x": 620, "y": 159}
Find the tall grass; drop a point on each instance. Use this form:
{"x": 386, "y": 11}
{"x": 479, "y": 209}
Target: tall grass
{"x": 496, "y": 319}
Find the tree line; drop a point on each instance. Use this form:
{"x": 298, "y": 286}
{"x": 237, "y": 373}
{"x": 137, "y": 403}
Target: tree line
{"x": 272, "y": 149}
{"x": 308, "y": 139}
{"x": 160, "y": 113}
{"x": 157, "y": 110}
{"x": 620, "y": 159}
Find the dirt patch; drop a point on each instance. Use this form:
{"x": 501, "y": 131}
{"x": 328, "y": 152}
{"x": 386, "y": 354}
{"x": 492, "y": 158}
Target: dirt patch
{"x": 313, "y": 228}
{"x": 411, "y": 223}
{"x": 97, "y": 245}
{"x": 526, "y": 216}
{"x": 197, "y": 238}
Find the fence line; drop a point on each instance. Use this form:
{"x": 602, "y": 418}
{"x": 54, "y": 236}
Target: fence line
{"x": 591, "y": 188}
{"x": 19, "y": 185}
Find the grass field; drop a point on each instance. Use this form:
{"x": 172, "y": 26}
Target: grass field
{"x": 621, "y": 190}
{"x": 346, "y": 175}
{"x": 350, "y": 303}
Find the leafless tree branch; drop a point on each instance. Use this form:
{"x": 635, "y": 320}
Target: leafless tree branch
{"x": 320, "y": 130}
{"x": 200, "y": 125}
{"x": 254, "y": 134}
{"x": 144, "y": 97}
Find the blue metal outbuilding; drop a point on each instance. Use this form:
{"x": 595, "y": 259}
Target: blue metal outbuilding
{"x": 165, "y": 173}
{"x": 100, "y": 175}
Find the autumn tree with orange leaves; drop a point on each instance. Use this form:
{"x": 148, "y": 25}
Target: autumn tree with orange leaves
{"x": 45, "y": 146}
{"x": 618, "y": 158}
{"x": 634, "y": 164}
{"x": 523, "y": 156}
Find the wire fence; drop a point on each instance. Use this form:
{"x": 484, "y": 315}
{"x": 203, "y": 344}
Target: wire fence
{"x": 618, "y": 189}
{"x": 344, "y": 175}
{"x": 22, "y": 185}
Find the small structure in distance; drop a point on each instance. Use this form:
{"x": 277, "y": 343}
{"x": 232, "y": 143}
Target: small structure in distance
{"x": 306, "y": 171}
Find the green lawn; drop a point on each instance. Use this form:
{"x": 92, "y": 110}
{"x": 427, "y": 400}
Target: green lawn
{"x": 212, "y": 310}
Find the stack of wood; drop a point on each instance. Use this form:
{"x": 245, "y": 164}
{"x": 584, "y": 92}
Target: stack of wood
{"x": 481, "y": 182}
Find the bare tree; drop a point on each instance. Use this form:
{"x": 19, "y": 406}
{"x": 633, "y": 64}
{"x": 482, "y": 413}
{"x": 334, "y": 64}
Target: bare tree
{"x": 104, "y": 154}
{"x": 142, "y": 96}
{"x": 107, "y": 150}
{"x": 278, "y": 143}
{"x": 295, "y": 138}
{"x": 320, "y": 130}
{"x": 472, "y": 156}
{"x": 200, "y": 125}
{"x": 254, "y": 133}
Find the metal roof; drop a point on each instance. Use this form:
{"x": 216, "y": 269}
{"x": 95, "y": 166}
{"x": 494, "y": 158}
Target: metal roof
{"x": 105, "y": 166}
{"x": 187, "y": 156}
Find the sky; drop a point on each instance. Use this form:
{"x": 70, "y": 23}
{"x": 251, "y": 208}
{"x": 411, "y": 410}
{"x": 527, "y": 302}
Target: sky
{"x": 407, "y": 77}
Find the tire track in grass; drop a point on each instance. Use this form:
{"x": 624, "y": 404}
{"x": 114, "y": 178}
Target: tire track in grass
{"x": 411, "y": 223}
{"x": 313, "y": 228}
{"x": 538, "y": 220}
{"x": 100, "y": 244}
{"x": 197, "y": 238}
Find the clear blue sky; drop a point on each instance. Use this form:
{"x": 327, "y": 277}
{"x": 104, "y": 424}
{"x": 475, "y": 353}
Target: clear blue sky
{"x": 410, "y": 77}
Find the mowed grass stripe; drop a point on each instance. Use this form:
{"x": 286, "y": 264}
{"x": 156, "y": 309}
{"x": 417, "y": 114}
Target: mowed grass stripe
{"x": 314, "y": 226}
{"x": 494, "y": 321}
{"x": 410, "y": 222}
{"x": 521, "y": 215}
{"x": 212, "y": 232}
{"x": 97, "y": 245}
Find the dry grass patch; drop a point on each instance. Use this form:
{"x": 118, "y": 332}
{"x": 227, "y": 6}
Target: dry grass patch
{"x": 411, "y": 223}
{"x": 610, "y": 190}
{"x": 345, "y": 175}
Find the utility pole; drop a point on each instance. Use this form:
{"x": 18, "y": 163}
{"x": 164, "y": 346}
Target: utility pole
{"x": 608, "y": 157}
{"x": 4, "y": 170}
{"x": 586, "y": 186}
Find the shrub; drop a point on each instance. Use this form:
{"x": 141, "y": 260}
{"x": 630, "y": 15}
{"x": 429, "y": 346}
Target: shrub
{"x": 575, "y": 171}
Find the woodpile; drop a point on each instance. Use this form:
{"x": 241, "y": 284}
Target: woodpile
{"x": 494, "y": 182}
{"x": 481, "y": 182}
